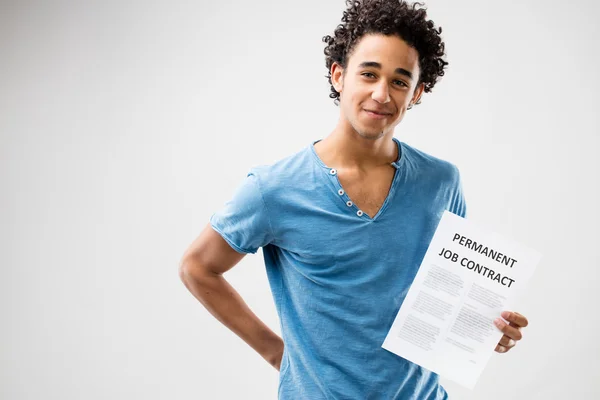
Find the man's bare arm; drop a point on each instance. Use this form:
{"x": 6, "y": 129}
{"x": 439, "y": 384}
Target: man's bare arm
{"x": 201, "y": 270}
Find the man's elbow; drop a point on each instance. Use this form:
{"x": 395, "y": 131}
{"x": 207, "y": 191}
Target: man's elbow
{"x": 189, "y": 270}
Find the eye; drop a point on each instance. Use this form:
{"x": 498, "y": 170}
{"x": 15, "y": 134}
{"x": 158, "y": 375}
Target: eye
{"x": 368, "y": 74}
{"x": 400, "y": 83}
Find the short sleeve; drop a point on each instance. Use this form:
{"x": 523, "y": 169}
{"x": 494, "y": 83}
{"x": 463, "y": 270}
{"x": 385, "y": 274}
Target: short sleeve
{"x": 244, "y": 220}
{"x": 458, "y": 204}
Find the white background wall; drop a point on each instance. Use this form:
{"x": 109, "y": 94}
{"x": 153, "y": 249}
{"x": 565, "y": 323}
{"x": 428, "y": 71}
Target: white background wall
{"x": 125, "y": 125}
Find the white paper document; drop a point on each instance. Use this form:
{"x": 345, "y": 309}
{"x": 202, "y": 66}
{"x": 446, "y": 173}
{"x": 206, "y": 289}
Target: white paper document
{"x": 468, "y": 276}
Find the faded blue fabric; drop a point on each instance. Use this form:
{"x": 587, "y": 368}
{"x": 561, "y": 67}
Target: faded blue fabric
{"x": 339, "y": 278}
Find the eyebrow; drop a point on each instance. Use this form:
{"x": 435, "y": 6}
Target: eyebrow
{"x": 373, "y": 64}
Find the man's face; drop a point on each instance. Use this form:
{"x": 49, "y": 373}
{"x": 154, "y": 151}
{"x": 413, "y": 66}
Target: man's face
{"x": 378, "y": 84}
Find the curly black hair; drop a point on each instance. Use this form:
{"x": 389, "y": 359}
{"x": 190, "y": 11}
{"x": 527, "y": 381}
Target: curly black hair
{"x": 388, "y": 17}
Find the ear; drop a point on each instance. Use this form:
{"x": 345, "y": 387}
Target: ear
{"x": 417, "y": 93}
{"x": 337, "y": 77}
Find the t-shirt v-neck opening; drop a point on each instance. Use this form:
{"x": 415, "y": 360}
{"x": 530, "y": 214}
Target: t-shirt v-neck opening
{"x": 343, "y": 196}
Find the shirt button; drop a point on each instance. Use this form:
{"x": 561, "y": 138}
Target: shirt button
{"x": 332, "y": 171}
{"x": 359, "y": 213}
{"x": 341, "y": 192}
{"x": 349, "y": 203}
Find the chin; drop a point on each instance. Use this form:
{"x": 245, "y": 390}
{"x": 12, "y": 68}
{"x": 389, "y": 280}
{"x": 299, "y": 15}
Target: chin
{"x": 372, "y": 135}
{"x": 369, "y": 130}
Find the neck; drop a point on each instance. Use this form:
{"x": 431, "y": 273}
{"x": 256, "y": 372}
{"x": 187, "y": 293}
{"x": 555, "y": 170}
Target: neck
{"x": 345, "y": 148}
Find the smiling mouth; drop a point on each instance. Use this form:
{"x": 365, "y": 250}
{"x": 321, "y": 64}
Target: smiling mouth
{"x": 376, "y": 114}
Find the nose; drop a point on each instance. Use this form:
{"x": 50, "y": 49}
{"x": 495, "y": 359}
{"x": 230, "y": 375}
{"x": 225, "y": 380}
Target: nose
{"x": 381, "y": 92}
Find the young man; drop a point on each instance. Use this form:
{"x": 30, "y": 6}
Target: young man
{"x": 343, "y": 223}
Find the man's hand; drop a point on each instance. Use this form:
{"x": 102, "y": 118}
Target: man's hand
{"x": 275, "y": 355}
{"x": 512, "y": 330}
{"x": 278, "y": 361}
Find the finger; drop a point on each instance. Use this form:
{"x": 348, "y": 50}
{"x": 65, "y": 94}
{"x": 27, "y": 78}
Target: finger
{"x": 515, "y": 325}
{"x": 507, "y": 342}
{"x": 501, "y": 349}
{"x": 515, "y": 318}
{"x": 511, "y": 332}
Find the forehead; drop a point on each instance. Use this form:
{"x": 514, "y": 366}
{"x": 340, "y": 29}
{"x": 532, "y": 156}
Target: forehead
{"x": 390, "y": 51}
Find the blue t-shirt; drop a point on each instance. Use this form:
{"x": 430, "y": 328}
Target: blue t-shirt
{"x": 338, "y": 277}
